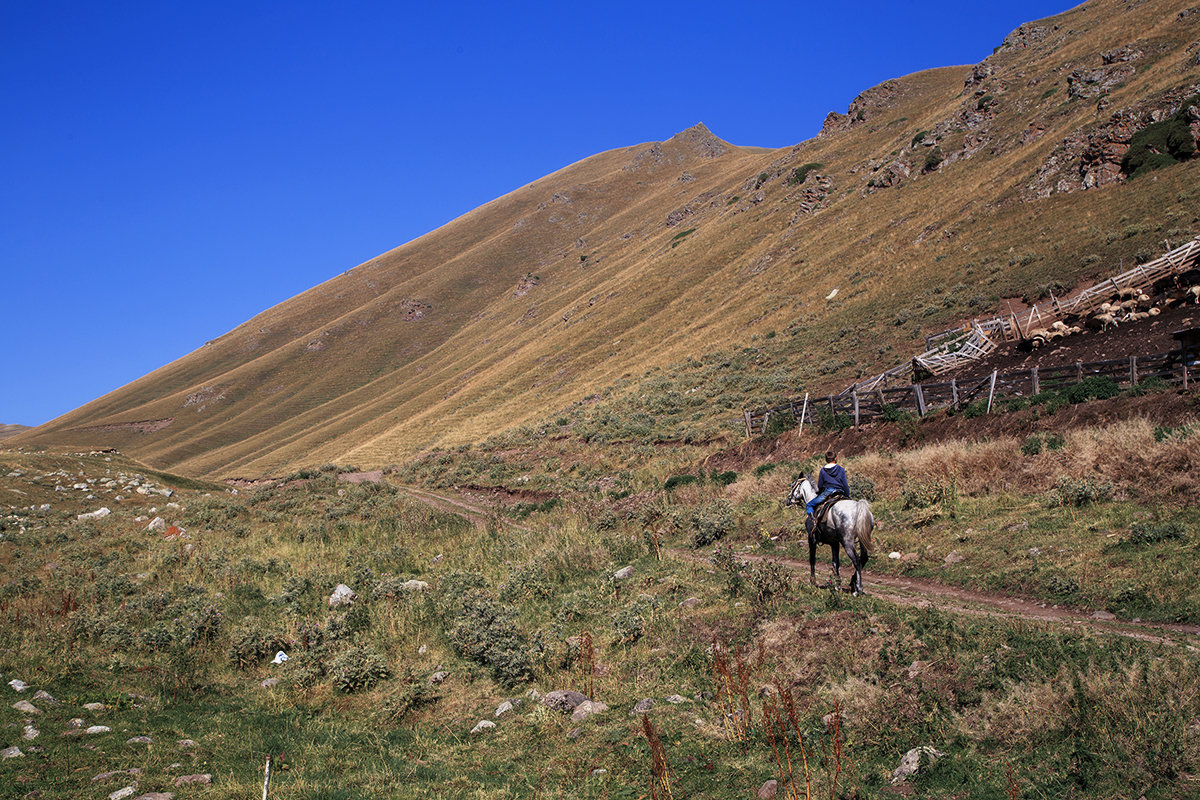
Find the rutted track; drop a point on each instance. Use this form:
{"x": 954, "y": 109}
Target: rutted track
{"x": 915, "y": 592}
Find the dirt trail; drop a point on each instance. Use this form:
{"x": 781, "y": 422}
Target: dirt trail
{"x": 915, "y": 592}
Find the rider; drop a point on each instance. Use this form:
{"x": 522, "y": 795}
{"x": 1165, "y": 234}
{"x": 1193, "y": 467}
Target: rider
{"x": 831, "y": 478}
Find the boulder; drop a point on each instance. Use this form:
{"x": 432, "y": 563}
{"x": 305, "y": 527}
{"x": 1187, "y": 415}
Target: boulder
{"x": 503, "y": 708}
{"x": 121, "y": 794}
{"x": 586, "y": 709}
{"x": 691, "y": 602}
{"x": 99, "y": 513}
{"x": 623, "y": 573}
{"x": 94, "y": 729}
{"x": 11, "y": 752}
{"x": 342, "y": 595}
{"x": 45, "y": 697}
{"x": 414, "y": 586}
{"x": 26, "y": 707}
{"x": 642, "y": 706}
{"x": 564, "y": 700}
{"x": 484, "y": 724}
{"x": 768, "y": 790}
{"x": 157, "y": 525}
{"x": 913, "y": 761}
{"x": 203, "y": 779}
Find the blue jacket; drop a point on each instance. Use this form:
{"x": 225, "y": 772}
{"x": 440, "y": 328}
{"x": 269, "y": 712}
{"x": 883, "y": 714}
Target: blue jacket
{"x": 833, "y": 476}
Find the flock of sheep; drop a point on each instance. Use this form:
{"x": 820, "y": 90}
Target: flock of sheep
{"x": 1127, "y": 305}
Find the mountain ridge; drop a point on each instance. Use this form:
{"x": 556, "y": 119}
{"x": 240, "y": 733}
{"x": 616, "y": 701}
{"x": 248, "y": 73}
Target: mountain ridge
{"x": 637, "y": 258}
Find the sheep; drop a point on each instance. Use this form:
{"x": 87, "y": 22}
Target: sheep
{"x": 1194, "y": 294}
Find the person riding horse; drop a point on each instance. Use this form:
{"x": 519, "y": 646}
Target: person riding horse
{"x": 831, "y": 480}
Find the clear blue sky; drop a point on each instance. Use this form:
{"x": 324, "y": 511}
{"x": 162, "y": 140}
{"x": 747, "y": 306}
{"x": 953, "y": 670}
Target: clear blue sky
{"x": 171, "y": 169}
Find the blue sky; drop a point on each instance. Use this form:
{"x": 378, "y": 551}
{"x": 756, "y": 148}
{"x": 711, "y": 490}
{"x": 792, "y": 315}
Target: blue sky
{"x": 168, "y": 169}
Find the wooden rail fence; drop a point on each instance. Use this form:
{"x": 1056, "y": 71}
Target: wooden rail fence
{"x": 862, "y": 406}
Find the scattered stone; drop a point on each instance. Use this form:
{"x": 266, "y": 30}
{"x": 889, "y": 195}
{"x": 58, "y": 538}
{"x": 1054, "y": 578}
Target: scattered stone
{"x": 343, "y": 595}
{"x": 422, "y": 650}
{"x": 121, "y": 794}
{"x": 280, "y": 657}
{"x": 269, "y": 682}
{"x": 93, "y": 730}
{"x": 203, "y": 779}
{"x": 437, "y": 678}
{"x": 156, "y": 796}
{"x": 691, "y": 602}
{"x": 642, "y": 706}
{"x": 157, "y": 525}
{"x": 139, "y": 740}
{"x": 894, "y": 555}
{"x": 45, "y": 697}
{"x": 76, "y": 722}
{"x": 30, "y": 733}
{"x": 414, "y": 586}
{"x": 18, "y": 685}
{"x": 912, "y": 762}
{"x": 185, "y": 743}
{"x": 11, "y": 752}
{"x": 586, "y": 709}
{"x": 916, "y": 668}
{"x": 534, "y": 695}
{"x": 623, "y": 573}
{"x": 768, "y": 790}
{"x": 564, "y": 700}
{"x": 676, "y": 699}
{"x": 484, "y": 724}
{"x": 1104, "y": 615}
{"x": 600, "y": 771}
{"x": 26, "y": 707}
{"x": 954, "y": 558}
{"x": 99, "y": 513}
{"x": 94, "y": 707}
{"x": 503, "y": 708}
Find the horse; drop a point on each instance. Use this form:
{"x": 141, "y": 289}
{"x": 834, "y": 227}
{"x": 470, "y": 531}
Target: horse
{"x": 848, "y": 523}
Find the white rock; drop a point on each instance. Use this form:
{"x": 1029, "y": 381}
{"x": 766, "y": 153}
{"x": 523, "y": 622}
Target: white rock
{"x": 342, "y": 595}
{"x": 30, "y": 733}
{"x": 98, "y": 729}
{"x": 911, "y": 763}
{"x": 586, "y": 709}
{"x": 623, "y": 573}
{"x": 18, "y": 684}
{"x": 893, "y": 554}
{"x": 95, "y": 706}
{"x": 99, "y": 513}
{"x": 484, "y": 724}
{"x": 414, "y": 586}
{"x": 26, "y": 707}
{"x": 11, "y": 752}
{"x": 676, "y": 699}
{"x": 121, "y": 794}
{"x": 158, "y": 525}
{"x": 503, "y": 708}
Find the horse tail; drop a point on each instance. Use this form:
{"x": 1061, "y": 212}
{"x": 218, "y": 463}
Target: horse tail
{"x": 864, "y": 523}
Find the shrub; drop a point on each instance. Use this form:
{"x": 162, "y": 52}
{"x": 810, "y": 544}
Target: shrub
{"x": 918, "y": 137}
{"x": 769, "y": 580}
{"x": 862, "y": 487}
{"x": 709, "y": 523}
{"x": 933, "y": 159}
{"x": 358, "y": 668}
{"x": 251, "y": 643}
{"x": 779, "y": 423}
{"x": 1078, "y": 492}
{"x": 1032, "y": 445}
{"x": 799, "y": 174}
{"x": 927, "y": 492}
{"x": 1161, "y": 144}
{"x": 730, "y": 569}
{"x": 724, "y": 478}
{"x": 485, "y": 632}
{"x": 1060, "y": 586}
{"x": 1152, "y": 532}
{"x": 525, "y": 582}
{"x": 1093, "y": 387}
{"x": 675, "y": 481}
{"x": 628, "y": 624}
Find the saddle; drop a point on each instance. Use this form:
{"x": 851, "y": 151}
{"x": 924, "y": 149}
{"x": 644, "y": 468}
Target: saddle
{"x": 820, "y": 512}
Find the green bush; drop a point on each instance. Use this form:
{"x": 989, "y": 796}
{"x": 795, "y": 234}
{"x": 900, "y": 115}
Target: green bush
{"x": 862, "y": 487}
{"x": 730, "y": 569}
{"x": 1161, "y": 144}
{"x": 1078, "y": 492}
{"x": 1093, "y": 387}
{"x": 708, "y": 523}
{"x": 724, "y": 478}
{"x": 779, "y": 423}
{"x": 628, "y": 624}
{"x": 1152, "y": 532}
{"x": 933, "y": 159}
{"x": 358, "y": 668}
{"x": 1032, "y": 445}
{"x": 770, "y": 580}
{"x": 675, "y": 481}
{"x": 799, "y": 174}
{"x": 251, "y": 643}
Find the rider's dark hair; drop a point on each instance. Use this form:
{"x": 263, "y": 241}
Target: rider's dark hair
{"x": 831, "y": 455}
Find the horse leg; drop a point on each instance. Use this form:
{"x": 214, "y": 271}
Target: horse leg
{"x": 812, "y": 558}
{"x": 837, "y": 567}
{"x": 856, "y": 580}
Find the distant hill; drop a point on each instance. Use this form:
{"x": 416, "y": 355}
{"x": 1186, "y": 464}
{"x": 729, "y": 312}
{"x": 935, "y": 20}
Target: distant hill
{"x": 935, "y": 197}
{"x": 12, "y": 430}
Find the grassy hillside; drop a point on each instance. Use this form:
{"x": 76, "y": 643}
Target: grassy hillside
{"x": 938, "y": 196}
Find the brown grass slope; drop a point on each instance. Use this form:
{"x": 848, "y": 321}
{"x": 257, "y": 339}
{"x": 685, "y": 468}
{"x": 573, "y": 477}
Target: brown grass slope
{"x": 564, "y": 287}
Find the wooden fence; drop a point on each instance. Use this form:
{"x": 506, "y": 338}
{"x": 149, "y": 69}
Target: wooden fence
{"x": 860, "y": 407}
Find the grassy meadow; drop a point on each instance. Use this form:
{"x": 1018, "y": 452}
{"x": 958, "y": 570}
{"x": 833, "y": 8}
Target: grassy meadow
{"x": 754, "y": 675}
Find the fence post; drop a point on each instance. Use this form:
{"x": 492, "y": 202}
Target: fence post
{"x": 1079, "y": 372}
{"x": 992, "y": 391}
{"x": 1185, "y": 369}
{"x": 749, "y": 429}
{"x": 954, "y": 393}
{"x": 267, "y": 778}
{"x": 1133, "y": 371}
{"x": 1035, "y": 384}
{"x": 920, "y": 399}
{"x": 803, "y": 412}
{"x": 854, "y": 394}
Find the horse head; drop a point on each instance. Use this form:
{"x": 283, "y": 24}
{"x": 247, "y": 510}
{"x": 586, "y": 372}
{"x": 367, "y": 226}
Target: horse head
{"x": 801, "y": 492}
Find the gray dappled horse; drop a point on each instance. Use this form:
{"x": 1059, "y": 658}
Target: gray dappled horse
{"x": 847, "y": 523}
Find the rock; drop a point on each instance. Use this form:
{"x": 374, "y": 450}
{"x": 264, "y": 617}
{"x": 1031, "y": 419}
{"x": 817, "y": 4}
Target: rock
{"x": 156, "y": 796}
{"x": 157, "y": 525}
{"x": 768, "y": 790}
{"x": 18, "y": 685}
{"x": 11, "y": 752}
{"x": 26, "y": 707}
{"x": 954, "y": 558}
{"x": 676, "y": 699}
{"x": 503, "y": 708}
{"x": 204, "y": 779}
{"x": 414, "y": 586}
{"x": 45, "y": 697}
{"x": 30, "y": 733}
{"x": 94, "y": 729}
{"x": 642, "y": 706}
{"x": 484, "y": 724}
{"x": 121, "y": 794}
{"x": 99, "y": 513}
{"x": 437, "y": 677}
{"x": 185, "y": 744}
{"x": 586, "y": 709}
{"x": 269, "y": 683}
{"x": 691, "y": 602}
{"x": 564, "y": 700}
{"x": 343, "y": 595}
{"x": 912, "y": 761}
{"x": 1104, "y": 615}
{"x": 916, "y": 668}
{"x": 76, "y": 722}
{"x": 280, "y": 657}
{"x": 139, "y": 740}
{"x": 623, "y": 573}
{"x": 94, "y": 707}
{"x": 600, "y": 771}
{"x": 894, "y": 555}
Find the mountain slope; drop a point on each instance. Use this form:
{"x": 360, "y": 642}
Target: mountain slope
{"x": 935, "y": 197}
